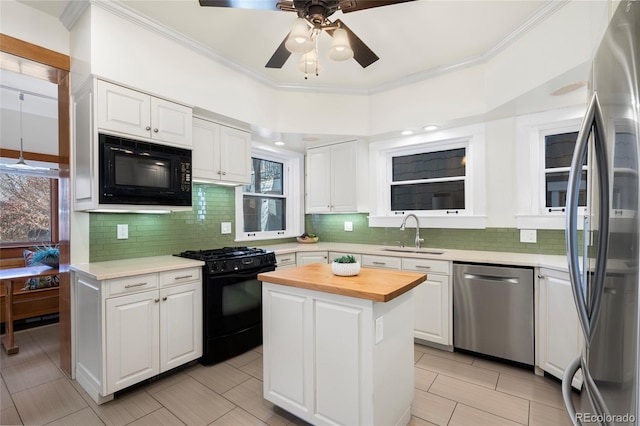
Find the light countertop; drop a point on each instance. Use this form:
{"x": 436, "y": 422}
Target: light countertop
{"x": 373, "y": 284}
{"x": 135, "y": 266}
{"x": 473, "y": 256}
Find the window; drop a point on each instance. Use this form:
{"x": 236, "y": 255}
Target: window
{"x": 544, "y": 149}
{"x": 558, "y": 152}
{"x": 438, "y": 176}
{"x": 270, "y": 205}
{"x": 28, "y": 209}
{"x": 429, "y": 181}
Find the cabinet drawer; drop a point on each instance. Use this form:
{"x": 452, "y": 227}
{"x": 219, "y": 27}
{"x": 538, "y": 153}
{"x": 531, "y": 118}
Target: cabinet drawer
{"x": 180, "y": 276}
{"x": 381, "y": 262}
{"x": 131, "y": 284}
{"x": 426, "y": 265}
{"x": 285, "y": 259}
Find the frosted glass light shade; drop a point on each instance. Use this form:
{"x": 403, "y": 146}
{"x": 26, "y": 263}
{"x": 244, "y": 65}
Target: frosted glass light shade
{"x": 340, "y": 49}
{"x": 299, "y": 40}
{"x": 309, "y": 63}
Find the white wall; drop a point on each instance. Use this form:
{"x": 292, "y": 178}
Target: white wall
{"x": 26, "y": 23}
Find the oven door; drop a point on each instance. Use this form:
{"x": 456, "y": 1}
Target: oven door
{"x": 233, "y": 302}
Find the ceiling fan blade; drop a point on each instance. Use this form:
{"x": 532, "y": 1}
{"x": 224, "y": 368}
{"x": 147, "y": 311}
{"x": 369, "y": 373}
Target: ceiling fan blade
{"x": 369, "y": 4}
{"x": 280, "y": 56}
{"x": 361, "y": 52}
{"x": 241, "y": 4}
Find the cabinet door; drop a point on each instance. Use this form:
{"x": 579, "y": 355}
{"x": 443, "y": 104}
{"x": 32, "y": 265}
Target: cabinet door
{"x": 206, "y": 149}
{"x": 171, "y": 122}
{"x": 132, "y": 339}
{"x": 306, "y": 258}
{"x": 235, "y": 155}
{"x": 318, "y": 193}
{"x": 123, "y": 110}
{"x": 180, "y": 325}
{"x": 433, "y": 315}
{"x": 560, "y": 334}
{"x": 344, "y": 177}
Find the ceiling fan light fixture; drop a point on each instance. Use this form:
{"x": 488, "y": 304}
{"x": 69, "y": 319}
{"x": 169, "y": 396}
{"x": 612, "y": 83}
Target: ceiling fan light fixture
{"x": 340, "y": 49}
{"x": 299, "y": 40}
{"x": 309, "y": 63}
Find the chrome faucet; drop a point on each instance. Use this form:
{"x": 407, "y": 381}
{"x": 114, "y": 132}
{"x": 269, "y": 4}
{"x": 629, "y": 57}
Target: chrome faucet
{"x": 404, "y": 222}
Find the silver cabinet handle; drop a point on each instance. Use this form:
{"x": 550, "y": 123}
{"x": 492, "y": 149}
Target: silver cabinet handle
{"x": 286, "y": 260}
{"x": 588, "y": 301}
{"x": 224, "y": 173}
{"x": 148, "y": 128}
{"x": 164, "y": 298}
{"x": 155, "y": 130}
{"x": 540, "y": 276}
{"x": 422, "y": 267}
{"x": 183, "y": 277}
{"x": 379, "y": 263}
{"x": 156, "y": 300}
{"x": 135, "y": 285}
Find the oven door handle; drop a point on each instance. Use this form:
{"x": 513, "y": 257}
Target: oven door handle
{"x": 244, "y": 274}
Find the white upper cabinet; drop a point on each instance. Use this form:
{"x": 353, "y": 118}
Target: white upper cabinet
{"x": 138, "y": 114}
{"x": 220, "y": 153}
{"x": 336, "y": 178}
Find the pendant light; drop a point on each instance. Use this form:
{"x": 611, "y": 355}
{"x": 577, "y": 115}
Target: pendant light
{"x": 340, "y": 49}
{"x": 299, "y": 40}
{"x": 21, "y": 166}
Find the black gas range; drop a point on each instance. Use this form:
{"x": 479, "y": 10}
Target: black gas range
{"x": 232, "y": 299}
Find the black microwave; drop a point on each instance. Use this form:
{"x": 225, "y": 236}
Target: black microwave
{"x": 143, "y": 173}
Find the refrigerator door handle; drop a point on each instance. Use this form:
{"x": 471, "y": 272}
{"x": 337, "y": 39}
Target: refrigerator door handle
{"x": 588, "y": 301}
{"x": 567, "y": 378}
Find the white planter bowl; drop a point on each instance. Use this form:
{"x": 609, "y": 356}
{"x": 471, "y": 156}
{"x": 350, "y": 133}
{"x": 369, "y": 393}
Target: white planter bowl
{"x": 345, "y": 269}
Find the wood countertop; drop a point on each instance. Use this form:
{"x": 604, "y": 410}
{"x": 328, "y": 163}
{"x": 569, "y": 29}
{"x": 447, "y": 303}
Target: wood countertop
{"x": 379, "y": 285}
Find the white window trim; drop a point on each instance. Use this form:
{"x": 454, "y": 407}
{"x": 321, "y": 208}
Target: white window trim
{"x": 292, "y": 188}
{"x": 531, "y": 130}
{"x": 470, "y": 137}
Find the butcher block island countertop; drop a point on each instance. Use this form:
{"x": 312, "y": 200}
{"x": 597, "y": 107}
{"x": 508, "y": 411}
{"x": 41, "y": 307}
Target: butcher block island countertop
{"x": 379, "y": 285}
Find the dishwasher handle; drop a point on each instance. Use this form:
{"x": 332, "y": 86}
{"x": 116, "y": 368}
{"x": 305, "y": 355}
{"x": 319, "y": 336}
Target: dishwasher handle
{"x": 507, "y": 280}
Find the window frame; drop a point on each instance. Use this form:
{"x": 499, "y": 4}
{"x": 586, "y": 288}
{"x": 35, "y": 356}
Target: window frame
{"x": 292, "y": 192}
{"x": 472, "y": 138}
{"x": 531, "y": 130}
{"x": 15, "y": 250}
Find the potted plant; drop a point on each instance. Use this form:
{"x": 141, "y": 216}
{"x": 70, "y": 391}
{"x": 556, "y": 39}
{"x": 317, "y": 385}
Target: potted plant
{"x": 46, "y": 255}
{"x": 345, "y": 266}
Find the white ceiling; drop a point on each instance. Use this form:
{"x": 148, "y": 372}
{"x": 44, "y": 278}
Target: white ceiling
{"x": 412, "y": 39}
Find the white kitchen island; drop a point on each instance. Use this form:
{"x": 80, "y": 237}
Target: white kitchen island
{"x": 339, "y": 350}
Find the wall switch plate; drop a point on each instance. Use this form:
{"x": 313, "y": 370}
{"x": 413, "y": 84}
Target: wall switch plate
{"x": 123, "y": 231}
{"x": 528, "y": 236}
{"x": 348, "y": 226}
{"x": 379, "y": 329}
{"x": 225, "y": 228}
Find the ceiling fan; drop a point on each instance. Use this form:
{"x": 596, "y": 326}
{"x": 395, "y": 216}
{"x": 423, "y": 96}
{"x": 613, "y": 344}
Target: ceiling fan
{"x": 315, "y": 15}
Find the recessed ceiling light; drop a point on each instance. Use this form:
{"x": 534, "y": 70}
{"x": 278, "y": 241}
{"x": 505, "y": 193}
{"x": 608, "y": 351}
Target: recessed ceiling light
{"x": 430, "y": 127}
{"x": 279, "y": 143}
{"x": 407, "y": 132}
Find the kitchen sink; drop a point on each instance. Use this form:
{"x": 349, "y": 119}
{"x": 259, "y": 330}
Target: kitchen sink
{"x": 412, "y": 250}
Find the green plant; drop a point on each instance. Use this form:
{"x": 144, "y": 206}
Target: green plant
{"x": 345, "y": 259}
{"x": 46, "y": 254}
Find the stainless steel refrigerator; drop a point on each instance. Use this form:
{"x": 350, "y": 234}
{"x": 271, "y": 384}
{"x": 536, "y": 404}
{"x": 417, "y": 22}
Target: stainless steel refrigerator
{"x": 603, "y": 266}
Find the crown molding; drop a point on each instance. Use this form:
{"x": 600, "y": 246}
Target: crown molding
{"x": 75, "y": 8}
{"x": 72, "y": 12}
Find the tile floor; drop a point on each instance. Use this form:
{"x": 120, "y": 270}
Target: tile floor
{"x": 451, "y": 389}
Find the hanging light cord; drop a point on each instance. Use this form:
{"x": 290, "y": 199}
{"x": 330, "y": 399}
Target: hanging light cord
{"x": 21, "y": 159}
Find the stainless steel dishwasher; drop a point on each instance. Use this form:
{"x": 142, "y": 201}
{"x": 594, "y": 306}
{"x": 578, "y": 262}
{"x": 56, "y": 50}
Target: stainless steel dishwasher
{"x": 493, "y": 311}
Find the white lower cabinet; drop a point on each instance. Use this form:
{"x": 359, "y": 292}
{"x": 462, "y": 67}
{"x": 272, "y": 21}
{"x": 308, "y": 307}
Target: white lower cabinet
{"x": 308, "y": 257}
{"x": 433, "y": 301}
{"x": 133, "y": 328}
{"x": 560, "y": 337}
{"x": 323, "y": 362}
{"x": 284, "y": 261}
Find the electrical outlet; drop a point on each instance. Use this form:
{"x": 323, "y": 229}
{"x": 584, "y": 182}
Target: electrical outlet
{"x": 225, "y": 228}
{"x": 123, "y": 231}
{"x": 528, "y": 236}
{"x": 348, "y": 226}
